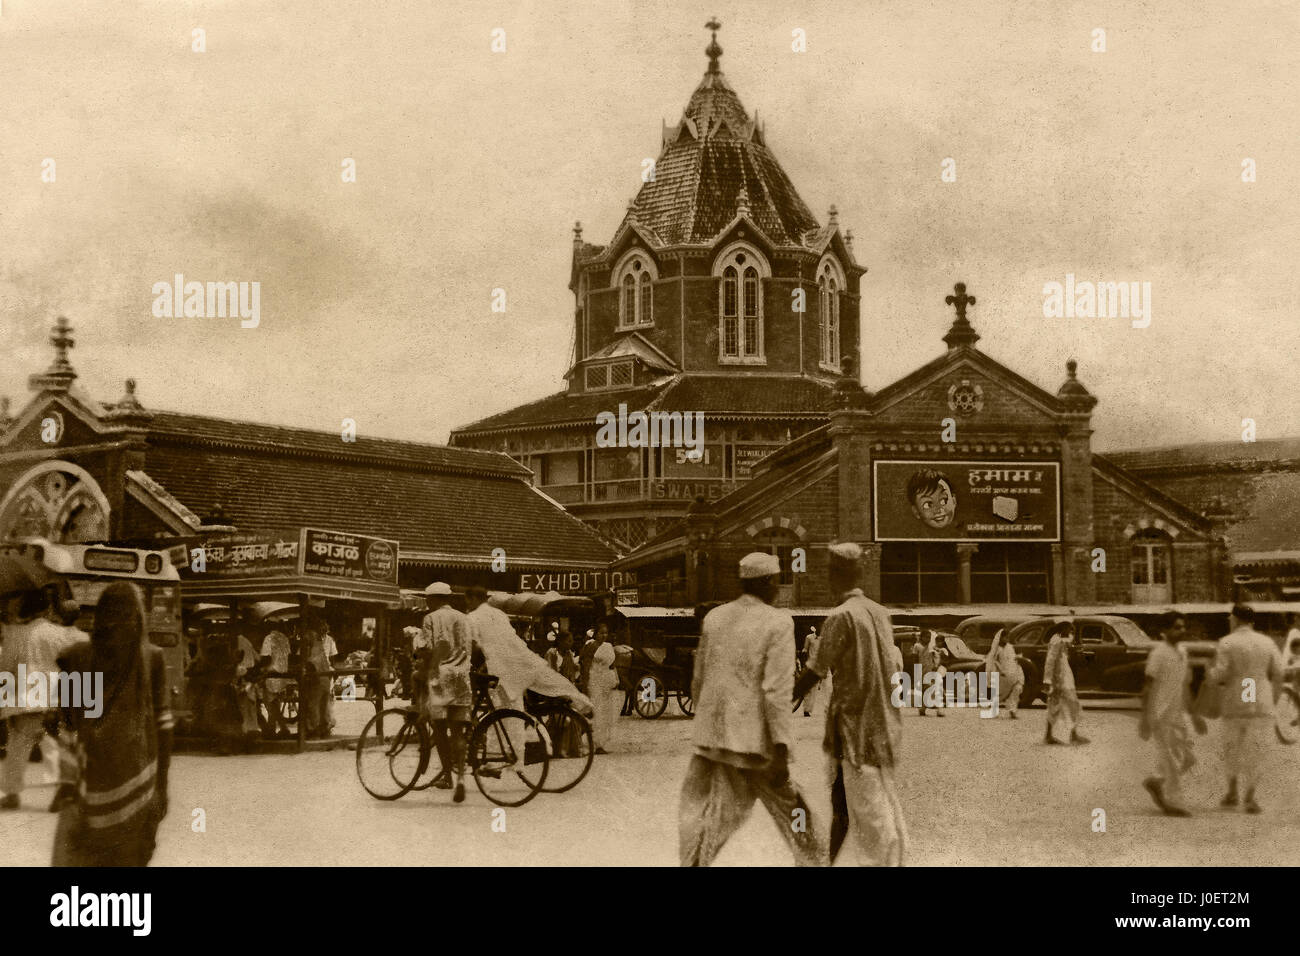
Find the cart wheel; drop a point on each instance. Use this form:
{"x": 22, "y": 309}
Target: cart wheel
{"x": 1286, "y": 720}
{"x": 390, "y": 753}
{"x": 572, "y": 750}
{"x": 649, "y": 698}
{"x": 509, "y": 753}
{"x": 685, "y": 703}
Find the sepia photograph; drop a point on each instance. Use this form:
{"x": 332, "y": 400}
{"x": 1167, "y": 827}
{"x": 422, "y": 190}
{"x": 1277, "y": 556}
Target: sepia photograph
{"x": 650, "y": 434}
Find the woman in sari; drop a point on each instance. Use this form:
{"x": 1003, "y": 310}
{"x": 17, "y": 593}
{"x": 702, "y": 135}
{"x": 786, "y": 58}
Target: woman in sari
{"x": 602, "y": 688}
{"x": 1058, "y": 681}
{"x": 123, "y": 753}
{"x": 1011, "y": 676}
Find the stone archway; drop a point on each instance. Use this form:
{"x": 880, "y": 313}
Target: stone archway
{"x": 56, "y": 500}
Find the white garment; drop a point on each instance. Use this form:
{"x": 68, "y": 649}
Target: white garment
{"x": 602, "y": 684}
{"x": 515, "y": 667}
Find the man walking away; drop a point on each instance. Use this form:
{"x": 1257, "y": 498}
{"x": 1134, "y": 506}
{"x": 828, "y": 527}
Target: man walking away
{"x": 863, "y": 731}
{"x": 1166, "y": 700}
{"x": 445, "y": 632}
{"x": 742, "y": 688}
{"x": 1247, "y": 665}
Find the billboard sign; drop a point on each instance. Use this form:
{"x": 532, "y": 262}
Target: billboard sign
{"x": 966, "y": 500}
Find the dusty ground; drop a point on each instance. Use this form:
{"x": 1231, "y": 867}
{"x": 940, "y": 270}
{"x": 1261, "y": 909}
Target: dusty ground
{"x": 976, "y": 792}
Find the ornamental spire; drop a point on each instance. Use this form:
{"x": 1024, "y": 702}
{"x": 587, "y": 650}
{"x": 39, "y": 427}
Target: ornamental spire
{"x": 60, "y": 375}
{"x": 713, "y": 50}
{"x": 962, "y": 332}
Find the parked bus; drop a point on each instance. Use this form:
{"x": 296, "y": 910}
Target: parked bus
{"x": 87, "y": 569}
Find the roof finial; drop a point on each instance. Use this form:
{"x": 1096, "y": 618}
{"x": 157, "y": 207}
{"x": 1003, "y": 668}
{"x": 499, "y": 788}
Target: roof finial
{"x": 61, "y": 339}
{"x": 742, "y": 201}
{"x": 713, "y": 50}
{"x": 961, "y": 333}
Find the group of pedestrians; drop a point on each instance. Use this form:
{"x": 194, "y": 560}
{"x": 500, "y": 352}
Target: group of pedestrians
{"x": 744, "y": 690}
{"x": 114, "y": 755}
{"x": 1239, "y": 689}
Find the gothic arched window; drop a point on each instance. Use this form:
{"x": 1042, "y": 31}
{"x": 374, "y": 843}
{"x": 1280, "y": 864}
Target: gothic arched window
{"x": 740, "y": 334}
{"x": 636, "y": 299}
{"x": 830, "y": 282}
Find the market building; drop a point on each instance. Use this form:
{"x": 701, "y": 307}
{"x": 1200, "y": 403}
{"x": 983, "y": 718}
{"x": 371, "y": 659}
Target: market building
{"x": 721, "y": 295}
{"x": 966, "y": 484}
{"x": 73, "y": 469}
{"x": 1250, "y": 490}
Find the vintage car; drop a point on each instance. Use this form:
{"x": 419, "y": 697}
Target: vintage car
{"x": 978, "y": 631}
{"x": 1108, "y": 656}
{"x": 958, "y": 657}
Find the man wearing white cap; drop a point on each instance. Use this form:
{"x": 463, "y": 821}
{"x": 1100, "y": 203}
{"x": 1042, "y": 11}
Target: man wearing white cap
{"x": 445, "y": 634}
{"x": 744, "y": 676}
{"x": 863, "y": 731}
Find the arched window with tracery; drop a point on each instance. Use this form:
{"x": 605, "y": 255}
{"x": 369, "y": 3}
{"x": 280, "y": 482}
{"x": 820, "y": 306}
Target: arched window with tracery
{"x": 636, "y": 276}
{"x": 830, "y": 282}
{"x": 740, "y": 336}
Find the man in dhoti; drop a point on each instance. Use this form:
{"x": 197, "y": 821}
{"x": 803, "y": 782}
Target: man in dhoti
{"x": 1247, "y": 667}
{"x": 1166, "y": 699}
{"x": 863, "y": 730}
{"x": 742, "y": 686}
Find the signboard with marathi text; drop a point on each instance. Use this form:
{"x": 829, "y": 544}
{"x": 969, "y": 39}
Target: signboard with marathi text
{"x": 948, "y": 500}
{"x": 245, "y": 556}
{"x": 349, "y": 557}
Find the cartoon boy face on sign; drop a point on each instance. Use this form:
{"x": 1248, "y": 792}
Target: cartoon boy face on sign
{"x": 930, "y": 494}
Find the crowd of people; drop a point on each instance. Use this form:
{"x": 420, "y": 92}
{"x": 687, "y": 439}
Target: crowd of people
{"x": 114, "y": 753}
{"x": 744, "y": 687}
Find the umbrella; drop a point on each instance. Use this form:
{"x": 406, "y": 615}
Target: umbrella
{"x": 19, "y": 574}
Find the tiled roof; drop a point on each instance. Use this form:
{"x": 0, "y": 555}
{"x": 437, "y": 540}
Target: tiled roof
{"x": 746, "y": 395}
{"x": 1210, "y": 455}
{"x": 447, "y": 513}
{"x": 227, "y": 433}
{"x": 563, "y": 408}
{"x": 716, "y": 151}
{"x": 1273, "y": 520}
{"x": 716, "y": 395}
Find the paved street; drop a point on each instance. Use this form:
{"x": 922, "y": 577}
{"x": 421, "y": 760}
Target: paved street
{"x": 976, "y": 792}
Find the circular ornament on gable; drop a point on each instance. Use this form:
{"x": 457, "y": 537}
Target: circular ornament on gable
{"x": 965, "y": 398}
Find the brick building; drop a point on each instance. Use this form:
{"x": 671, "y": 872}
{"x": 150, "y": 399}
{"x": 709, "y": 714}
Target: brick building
{"x": 1251, "y": 492}
{"x": 1024, "y": 512}
{"x": 75, "y": 469}
{"x": 719, "y": 293}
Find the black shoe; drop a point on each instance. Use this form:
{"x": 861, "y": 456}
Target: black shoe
{"x": 1052, "y": 741}
{"x": 9, "y": 802}
{"x": 1251, "y": 806}
{"x": 1077, "y": 739}
{"x": 458, "y": 795}
{"x": 1230, "y": 800}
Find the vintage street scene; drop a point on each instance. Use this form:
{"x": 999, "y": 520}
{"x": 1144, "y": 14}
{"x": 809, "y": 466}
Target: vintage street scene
{"x": 625, "y": 435}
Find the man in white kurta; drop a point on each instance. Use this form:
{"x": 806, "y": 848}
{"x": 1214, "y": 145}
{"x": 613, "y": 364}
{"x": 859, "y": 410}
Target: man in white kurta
{"x": 1166, "y": 698}
{"x": 744, "y": 676}
{"x": 1247, "y": 666}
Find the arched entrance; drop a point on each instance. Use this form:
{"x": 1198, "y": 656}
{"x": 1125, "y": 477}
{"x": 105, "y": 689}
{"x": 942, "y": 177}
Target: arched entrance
{"x": 56, "y": 500}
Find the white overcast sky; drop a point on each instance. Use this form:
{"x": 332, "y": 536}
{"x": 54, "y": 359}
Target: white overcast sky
{"x": 472, "y": 167}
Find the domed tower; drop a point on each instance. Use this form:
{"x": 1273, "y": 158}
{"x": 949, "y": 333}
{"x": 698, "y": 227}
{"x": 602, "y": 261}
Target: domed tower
{"x": 719, "y": 295}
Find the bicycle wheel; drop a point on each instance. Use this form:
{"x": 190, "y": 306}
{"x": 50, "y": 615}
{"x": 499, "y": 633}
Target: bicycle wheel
{"x": 389, "y": 764}
{"x": 1286, "y": 717}
{"x": 572, "y": 750}
{"x": 650, "y": 699}
{"x": 509, "y": 754}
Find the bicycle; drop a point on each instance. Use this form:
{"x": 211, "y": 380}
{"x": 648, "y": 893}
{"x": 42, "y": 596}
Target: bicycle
{"x": 509, "y": 752}
{"x": 572, "y": 747}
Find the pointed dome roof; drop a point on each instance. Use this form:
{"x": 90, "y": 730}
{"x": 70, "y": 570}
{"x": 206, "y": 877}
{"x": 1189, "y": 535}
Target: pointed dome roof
{"x": 715, "y": 151}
